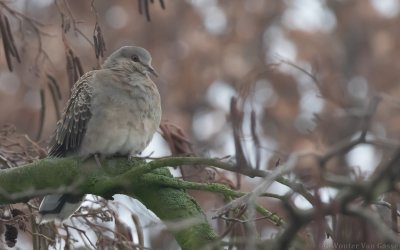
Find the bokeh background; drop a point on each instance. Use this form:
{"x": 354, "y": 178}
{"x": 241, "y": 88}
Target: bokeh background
{"x": 308, "y": 69}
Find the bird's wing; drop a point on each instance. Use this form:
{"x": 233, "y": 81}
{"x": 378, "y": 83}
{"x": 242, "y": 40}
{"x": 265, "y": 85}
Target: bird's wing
{"x": 72, "y": 126}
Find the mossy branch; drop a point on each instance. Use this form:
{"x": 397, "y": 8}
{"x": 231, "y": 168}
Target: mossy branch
{"x": 150, "y": 182}
{"x": 114, "y": 176}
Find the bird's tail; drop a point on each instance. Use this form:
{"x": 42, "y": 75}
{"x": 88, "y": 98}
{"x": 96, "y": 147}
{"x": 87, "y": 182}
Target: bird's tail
{"x": 58, "y": 207}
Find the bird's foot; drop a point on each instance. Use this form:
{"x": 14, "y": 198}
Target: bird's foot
{"x": 134, "y": 157}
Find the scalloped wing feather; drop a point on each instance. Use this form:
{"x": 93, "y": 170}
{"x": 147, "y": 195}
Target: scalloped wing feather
{"x": 72, "y": 126}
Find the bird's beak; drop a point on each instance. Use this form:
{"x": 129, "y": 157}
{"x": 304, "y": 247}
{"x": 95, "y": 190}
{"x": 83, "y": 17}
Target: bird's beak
{"x": 152, "y": 70}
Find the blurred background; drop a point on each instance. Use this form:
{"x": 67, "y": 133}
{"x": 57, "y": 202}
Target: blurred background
{"x": 308, "y": 71}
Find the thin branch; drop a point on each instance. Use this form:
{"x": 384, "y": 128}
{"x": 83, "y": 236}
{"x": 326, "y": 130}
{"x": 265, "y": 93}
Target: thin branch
{"x": 139, "y": 230}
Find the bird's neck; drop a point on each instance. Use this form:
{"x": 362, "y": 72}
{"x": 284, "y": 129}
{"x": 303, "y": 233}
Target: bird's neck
{"x": 130, "y": 74}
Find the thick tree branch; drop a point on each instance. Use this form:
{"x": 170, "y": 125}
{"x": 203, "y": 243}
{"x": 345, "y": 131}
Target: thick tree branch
{"x": 115, "y": 176}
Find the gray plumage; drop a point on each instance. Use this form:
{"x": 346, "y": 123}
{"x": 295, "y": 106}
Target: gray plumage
{"x": 113, "y": 110}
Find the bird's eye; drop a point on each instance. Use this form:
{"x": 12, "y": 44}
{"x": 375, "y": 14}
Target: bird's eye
{"x": 135, "y": 58}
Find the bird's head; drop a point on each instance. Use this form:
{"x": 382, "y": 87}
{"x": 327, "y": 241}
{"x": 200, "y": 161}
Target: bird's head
{"x": 133, "y": 57}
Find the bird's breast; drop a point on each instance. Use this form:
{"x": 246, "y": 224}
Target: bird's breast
{"x": 123, "y": 122}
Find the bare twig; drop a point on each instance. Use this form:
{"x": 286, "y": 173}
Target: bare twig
{"x": 143, "y": 7}
{"x": 139, "y": 230}
{"x": 42, "y": 113}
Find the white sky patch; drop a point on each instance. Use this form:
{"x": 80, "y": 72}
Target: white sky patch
{"x": 277, "y": 188}
{"x": 310, "y": 102}
{"x": 364, "y": 157}
{"x": 305, "y": 123}
{"x": 358, "y": 87}
{"x": 116, "y": 17}
{"x": 264, "y": 95}
{"x": 207, "y": 123}
{"x": 268, "y": 144}
{"x": 43, "y": 3}
{"x": 269, "y": 232}
{"x": 326, "y": 195}
{"x": 219, "y": 94}
{"x": 302, "y": 203}
{"x": 214, "y": 17}
{"x": 202, "y": 3}
{"x": 228, "y": 147}
{"x": 309, "y": 15}
{"x": 215, "y": 20}
{"x": 125, "y": 206}
{"x": 304, "y": 80}
{"x": 277, "y": 44}
{"x": 387, "y": 8}
{"x": 157, "y": 147}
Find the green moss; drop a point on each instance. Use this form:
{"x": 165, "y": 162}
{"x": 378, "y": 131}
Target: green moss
{"x": 41, "y": 175}
{"x": 113, "y": 176}
{"x": 175, "y": 205}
